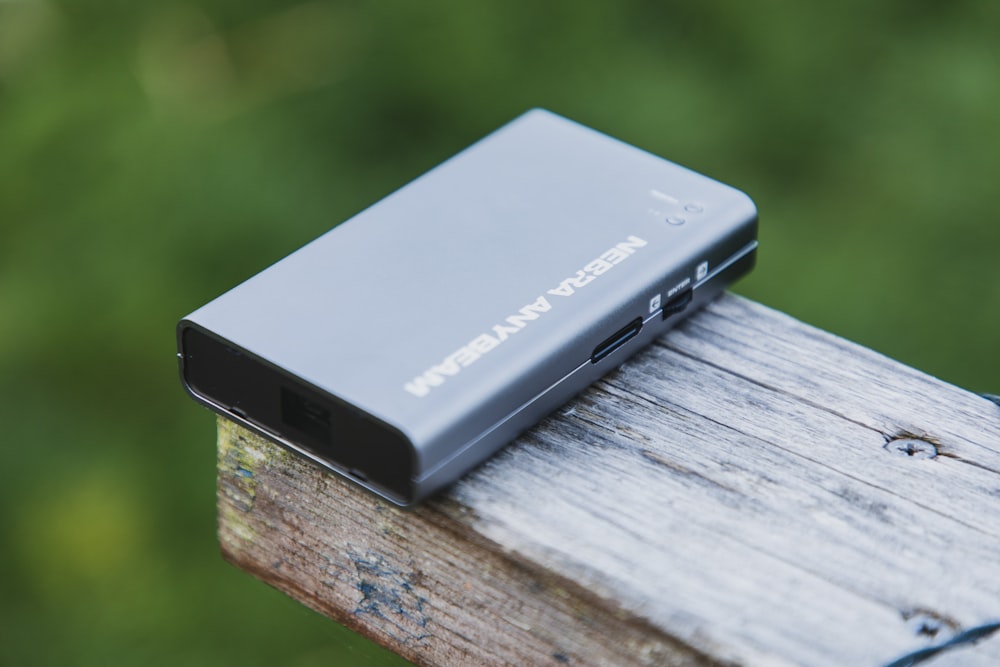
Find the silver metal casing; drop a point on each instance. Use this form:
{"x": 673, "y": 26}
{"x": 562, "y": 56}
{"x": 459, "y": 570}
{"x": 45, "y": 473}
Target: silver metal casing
{"x": 409, "y": 343}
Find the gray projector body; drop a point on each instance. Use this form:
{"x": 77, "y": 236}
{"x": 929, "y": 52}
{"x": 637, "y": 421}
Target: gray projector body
{"x": 409, "y": 343}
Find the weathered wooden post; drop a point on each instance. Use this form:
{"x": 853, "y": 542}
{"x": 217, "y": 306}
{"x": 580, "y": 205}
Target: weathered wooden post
{"x": 748, "y": 491}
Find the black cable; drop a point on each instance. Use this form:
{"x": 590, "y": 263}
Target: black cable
{"x": 970, "y": 636}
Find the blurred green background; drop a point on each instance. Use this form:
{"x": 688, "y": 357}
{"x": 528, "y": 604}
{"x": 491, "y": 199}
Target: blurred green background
{"x": 154, "y": 154}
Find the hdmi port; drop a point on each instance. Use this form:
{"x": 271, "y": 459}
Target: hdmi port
{"x": 616, "y": 340}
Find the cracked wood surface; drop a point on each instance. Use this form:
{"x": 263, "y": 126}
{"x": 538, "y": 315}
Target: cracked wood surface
{"x": 748, "y": 490}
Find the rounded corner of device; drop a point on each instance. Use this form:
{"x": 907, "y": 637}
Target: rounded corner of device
{"x": 183, "y": 326}
{"x": 748, "y": 203}
{"x": 537, "y": 111}
{"x": 409, "y": 502}
{"x": 539, "y": 115}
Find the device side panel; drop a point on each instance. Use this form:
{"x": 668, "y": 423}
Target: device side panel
{"x": 551, "y": 398}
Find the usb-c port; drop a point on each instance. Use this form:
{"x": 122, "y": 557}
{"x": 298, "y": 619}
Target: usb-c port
{"x": 616, "y": 340}
{"x": 678, "y": 303}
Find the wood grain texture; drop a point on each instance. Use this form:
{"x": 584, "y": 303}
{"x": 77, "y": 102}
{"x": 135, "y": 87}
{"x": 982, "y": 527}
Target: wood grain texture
{"x": 747, "y": 491}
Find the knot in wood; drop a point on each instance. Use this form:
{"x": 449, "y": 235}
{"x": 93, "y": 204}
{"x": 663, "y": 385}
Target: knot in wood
{"x": 928, "y": 623}
{"x": 912, "y": 447}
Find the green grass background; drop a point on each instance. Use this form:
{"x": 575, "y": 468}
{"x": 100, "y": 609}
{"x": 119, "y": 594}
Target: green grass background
{"x": 153, "y": 154}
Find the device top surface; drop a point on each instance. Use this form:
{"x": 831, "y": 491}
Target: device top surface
{"x": 424, "y": 274}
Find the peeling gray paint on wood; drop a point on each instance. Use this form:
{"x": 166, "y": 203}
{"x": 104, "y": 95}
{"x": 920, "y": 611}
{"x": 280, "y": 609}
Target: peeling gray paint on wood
{"x": 747, "y": 491}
